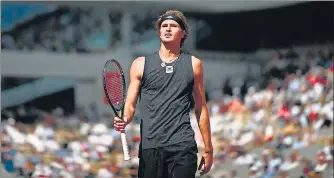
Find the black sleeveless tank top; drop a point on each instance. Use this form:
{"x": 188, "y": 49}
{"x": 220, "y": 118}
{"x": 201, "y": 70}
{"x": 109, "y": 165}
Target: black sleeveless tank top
{"x": 165, "y": 101}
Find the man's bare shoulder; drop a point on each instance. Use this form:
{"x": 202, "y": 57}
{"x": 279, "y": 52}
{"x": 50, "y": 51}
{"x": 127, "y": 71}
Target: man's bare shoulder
{"x": 137, "y": 67}
{"x": 139, "y": 60}
{"x": 196, "y": 63}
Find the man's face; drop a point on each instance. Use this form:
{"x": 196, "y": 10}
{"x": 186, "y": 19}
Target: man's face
{"x": 170, "y": 31}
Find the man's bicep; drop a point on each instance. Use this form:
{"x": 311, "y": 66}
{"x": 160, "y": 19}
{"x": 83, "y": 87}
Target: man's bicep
{"x": 199, "y": 90}
{"x": 133, "y": 91}
{"x": 135, "y": 82}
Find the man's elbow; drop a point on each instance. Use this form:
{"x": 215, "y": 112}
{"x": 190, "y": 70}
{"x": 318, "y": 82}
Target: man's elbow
{"x": 132, "y": 107}
{"x": 198, "y": 111}
{"x": 202, "y": 112}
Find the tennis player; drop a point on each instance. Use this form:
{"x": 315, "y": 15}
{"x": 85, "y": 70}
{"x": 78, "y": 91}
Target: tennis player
{"x": 167, "y": 82}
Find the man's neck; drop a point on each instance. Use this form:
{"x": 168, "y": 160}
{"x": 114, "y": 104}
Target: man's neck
{"x": 169, "y": 52}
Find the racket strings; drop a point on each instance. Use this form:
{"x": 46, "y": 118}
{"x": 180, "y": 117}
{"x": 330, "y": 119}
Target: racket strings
{"x": 115, "y": 88}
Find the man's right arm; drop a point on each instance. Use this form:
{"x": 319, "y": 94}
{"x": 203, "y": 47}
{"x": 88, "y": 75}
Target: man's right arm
{"x": 136, "y": 73}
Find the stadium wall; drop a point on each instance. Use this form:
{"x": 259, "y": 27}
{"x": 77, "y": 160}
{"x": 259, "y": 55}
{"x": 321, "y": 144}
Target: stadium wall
{"x": 85, "y": 70}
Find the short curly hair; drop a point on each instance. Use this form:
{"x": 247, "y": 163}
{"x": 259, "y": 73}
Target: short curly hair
{"x": 180, "y": 15}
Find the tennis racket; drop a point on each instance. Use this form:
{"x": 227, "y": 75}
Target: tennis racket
{"x": 201, "y": 164}
{"x": 114, "y": 88}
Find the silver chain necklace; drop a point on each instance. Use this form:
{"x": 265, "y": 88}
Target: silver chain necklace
{"x": 170, "y": 69}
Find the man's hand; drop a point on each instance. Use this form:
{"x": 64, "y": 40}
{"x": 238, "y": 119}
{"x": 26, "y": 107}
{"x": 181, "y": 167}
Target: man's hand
{"x": 208, "y": 160}
{"x": 120, "y": 124}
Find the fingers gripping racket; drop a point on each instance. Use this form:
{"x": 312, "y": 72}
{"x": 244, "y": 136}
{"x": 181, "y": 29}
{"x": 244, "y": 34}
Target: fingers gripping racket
{"x": 114, "y": 88}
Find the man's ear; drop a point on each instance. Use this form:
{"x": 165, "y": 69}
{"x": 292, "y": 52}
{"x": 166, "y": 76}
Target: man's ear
{"x": 184, "y": 33}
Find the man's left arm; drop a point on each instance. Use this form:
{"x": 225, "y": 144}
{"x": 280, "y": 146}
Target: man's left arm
{"x": 201, "y": 111}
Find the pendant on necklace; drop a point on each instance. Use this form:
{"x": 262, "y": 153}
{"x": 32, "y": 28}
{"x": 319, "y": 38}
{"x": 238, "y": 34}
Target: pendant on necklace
{"x": 169, "y": 69}
{"x": 163, "y": 64}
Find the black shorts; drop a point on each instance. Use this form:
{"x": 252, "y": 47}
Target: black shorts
{"x": 174, "y": 161}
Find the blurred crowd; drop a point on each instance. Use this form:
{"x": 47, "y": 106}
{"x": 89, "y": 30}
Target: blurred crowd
{"x": 66, "y": 146}
{"x": 265, "y": 130}
{"x": 274, "y": 130}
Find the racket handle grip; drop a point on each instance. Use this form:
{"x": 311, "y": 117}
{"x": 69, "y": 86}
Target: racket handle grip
{"x": 125, "y": 147}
